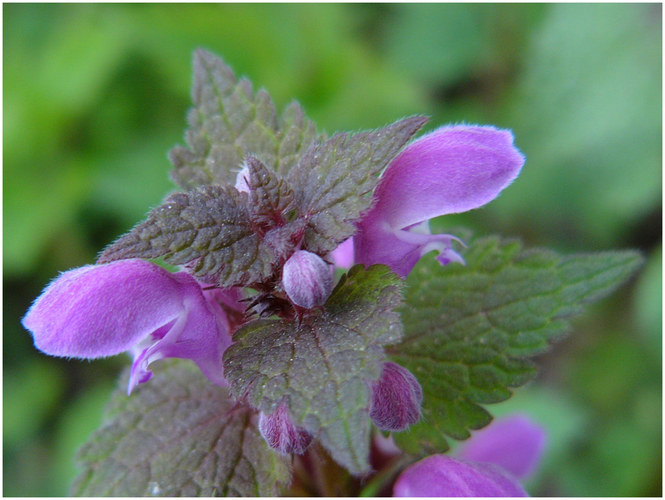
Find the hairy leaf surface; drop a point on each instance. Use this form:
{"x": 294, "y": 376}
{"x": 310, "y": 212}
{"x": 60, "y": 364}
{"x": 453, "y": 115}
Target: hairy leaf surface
{"x": 321, "y": 366}
{"x": 334, "y": 180}
{"x": 470, "y": 330}
{"x": 210, "y": 230}
{"x": 229, "y": 122}
{"x": 179, "y": 435}
{"x": 270, "y": 196}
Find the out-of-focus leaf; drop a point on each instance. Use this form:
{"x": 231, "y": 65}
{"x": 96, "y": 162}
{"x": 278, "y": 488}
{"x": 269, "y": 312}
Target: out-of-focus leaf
{"x": 437, "y": 43}
{"x": 30, "y": 394}
{"x": 30, "y": 218}
{"x": 587, "y": 114}
{"x": 76, "y": 423}
{"x": 623, "y": 445}
{"x": 609, "y": 370}
{"x": 45, "y": 179}
{"x": 649, "y": 303}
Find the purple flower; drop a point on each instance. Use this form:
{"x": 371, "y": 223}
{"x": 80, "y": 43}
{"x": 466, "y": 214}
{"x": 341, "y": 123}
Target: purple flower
{"x": 453, "y": 169}
{"x": 131, "y": 305}
{"x": 396, "y": 398}
{"x": 281, "y": 434}
{"x": 515, "y": 443}
{"x": 443, "y": 476}
{"x": 342, "y": 256}
{"x": 488, "y": 465}
{"x": 307, "y": 279}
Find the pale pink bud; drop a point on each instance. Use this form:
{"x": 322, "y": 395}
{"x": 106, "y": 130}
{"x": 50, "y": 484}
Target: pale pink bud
{"x": 281, "y": 434}
{"x": 396, "y": 398}
{"x": 241, "y": 180}
{"x": 307, "y": 279}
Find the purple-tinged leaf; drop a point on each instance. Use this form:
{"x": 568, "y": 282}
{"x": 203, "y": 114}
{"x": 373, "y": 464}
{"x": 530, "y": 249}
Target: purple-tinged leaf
{"x": 321, "y": 367}
{"x": 179, "y": 436}
{"x": 334, "y": 180}
{"x": 210, "y": 230}
{"x": 270, "y": 196}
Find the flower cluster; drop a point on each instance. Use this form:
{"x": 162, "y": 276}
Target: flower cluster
{"x": 138, "y": 307}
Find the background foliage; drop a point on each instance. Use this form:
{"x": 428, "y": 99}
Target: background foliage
{"x": 95, "y": 95}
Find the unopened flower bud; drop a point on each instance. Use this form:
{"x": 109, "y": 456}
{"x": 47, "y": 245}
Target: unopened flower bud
{"x": 396, "y": 398}
{"x": 280, "y": 433}
{"x": 307, "y": 279}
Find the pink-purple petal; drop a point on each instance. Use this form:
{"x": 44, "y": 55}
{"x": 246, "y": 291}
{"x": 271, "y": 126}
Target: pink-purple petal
{"x": 400, "y": 249}
{"x": 450, "y": 170}
{"x": 102, "y": 310}
{"x": 130, "y": 305}
{"x": 201, "y": 333}
{"x": 342, "y": 256}
{"x": 515, "y": 443}
{"x": 443, "y": 476}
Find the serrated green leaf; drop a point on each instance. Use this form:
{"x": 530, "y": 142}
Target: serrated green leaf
{"x": 334, "y": 180}
{"x": 179, "y": 435}
{"x": 470, "y": 330}
{"x": 321, "y": 366}
{"x": 210, "y": 229}
{"x": 229, "y": 122}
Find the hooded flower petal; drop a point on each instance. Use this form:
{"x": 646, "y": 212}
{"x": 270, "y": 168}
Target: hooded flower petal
{"x": 396, "y": 398}
{"x": 307, "y": 279}
{"x": 129, "y": 305}
{"x": 515, "y": 443}
{"x": 451, "y": 170}
{"x": 442, "y": 476}
{"x": 281, "y": 434}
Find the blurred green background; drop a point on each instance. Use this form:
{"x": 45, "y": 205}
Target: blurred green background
{"x": 95, "y": 95}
